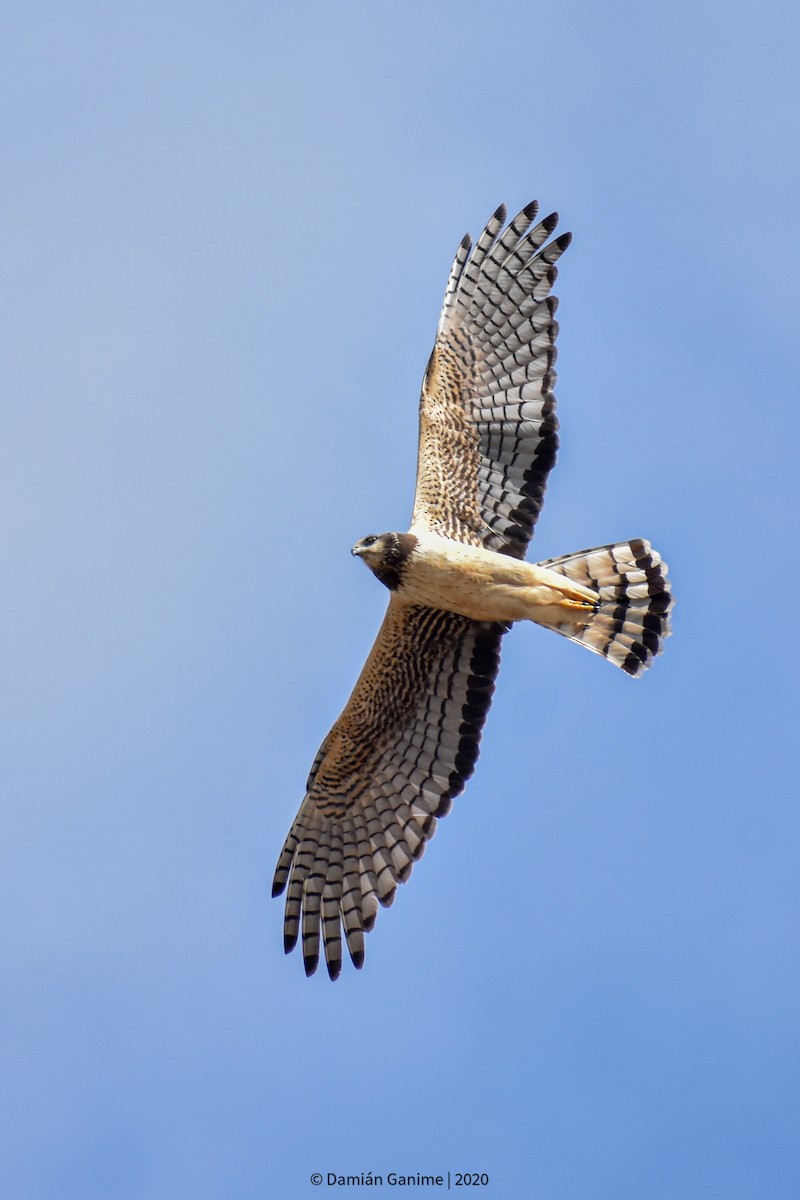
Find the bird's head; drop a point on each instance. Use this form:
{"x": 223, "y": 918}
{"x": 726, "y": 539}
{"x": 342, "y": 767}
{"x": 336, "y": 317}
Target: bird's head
{"x": 372, "y": 549}
{"x": 386, "y": 555}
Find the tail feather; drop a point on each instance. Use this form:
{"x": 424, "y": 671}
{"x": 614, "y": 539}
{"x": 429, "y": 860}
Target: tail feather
{"x": 630, "y": 623}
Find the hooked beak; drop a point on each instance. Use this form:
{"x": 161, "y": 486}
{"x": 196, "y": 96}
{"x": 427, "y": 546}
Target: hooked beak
{"x": 356, "y": 551}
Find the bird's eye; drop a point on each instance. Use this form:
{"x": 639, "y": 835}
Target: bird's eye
{"x": 369, "y": 541}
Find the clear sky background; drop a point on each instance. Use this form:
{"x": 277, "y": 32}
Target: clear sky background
{"x": 226, "y": 230}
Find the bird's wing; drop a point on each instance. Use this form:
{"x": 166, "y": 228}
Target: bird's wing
{"x": 404, "y": 746}
{"x": 488, "y": 429}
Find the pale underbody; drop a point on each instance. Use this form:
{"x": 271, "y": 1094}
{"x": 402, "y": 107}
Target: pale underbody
{"x": 486, "y": 586}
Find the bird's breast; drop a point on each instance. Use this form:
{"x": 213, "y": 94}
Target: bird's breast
{"x": 483, "y": 585}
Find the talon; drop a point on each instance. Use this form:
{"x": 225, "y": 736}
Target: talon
{"x": 581, "y": 604}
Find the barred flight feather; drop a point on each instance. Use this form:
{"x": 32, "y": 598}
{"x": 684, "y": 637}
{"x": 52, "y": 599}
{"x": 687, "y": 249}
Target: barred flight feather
{"x": 480, "y": 485}
{"x": 384, "y": 774}
{"x": 633, "y": 617}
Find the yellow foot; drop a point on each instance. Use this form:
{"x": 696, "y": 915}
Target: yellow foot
{"x": 580, "y": 604}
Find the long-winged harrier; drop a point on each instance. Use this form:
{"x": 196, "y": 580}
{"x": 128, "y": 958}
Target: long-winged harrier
{"x": 408, "y": 738}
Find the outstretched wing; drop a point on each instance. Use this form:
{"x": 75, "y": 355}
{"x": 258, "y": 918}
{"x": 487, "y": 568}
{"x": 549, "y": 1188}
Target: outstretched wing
{"x": 404, "y": 746}
{"x": 488, "y": 429}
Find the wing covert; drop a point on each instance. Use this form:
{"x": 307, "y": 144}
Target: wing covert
{"x": 488, "y": 429}
{"x": 401, "y": 750}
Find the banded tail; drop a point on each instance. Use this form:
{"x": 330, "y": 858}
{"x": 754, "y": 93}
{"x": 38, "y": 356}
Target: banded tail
{"x": 630, "y": 623}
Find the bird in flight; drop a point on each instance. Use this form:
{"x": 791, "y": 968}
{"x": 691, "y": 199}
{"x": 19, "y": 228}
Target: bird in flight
{"x": 408, "y": 738}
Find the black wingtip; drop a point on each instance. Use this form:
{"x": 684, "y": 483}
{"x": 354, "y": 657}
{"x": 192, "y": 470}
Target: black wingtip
{"x": 500, "y": 213}
{"x": 334, "y": 969}
{"x": 530, "y": 210}
{"x": 289, "y": 942}
{"x": 358, "y": 959}
{"x": 446, "y": 802}
{"x": 277, "y": 886}
{"x": 310, "y": 963}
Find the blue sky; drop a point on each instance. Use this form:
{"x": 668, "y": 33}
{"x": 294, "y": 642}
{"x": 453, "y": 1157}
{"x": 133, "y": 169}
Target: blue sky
{"x": 225, "y": 232}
